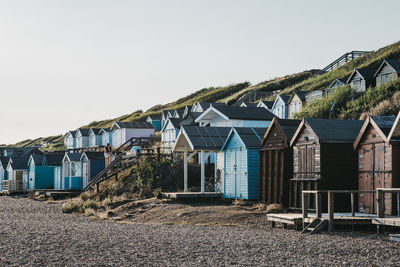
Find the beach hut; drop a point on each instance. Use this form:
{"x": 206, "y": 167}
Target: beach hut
{"x": 70, "y": 140}
{"x": 276, "y": 161}
{"x": 335, "y": 84}
{"x": 203, "y": 106}
{"x": 71, "y": 171}
{"x": 95, "y": 137}
{"x": 388, "y": 71}
{"x": 324, "y": 159}
{"x": 377, "y": 157}
{"x": 266, "y": 104}
{"x": 55, "y": 162}
{"x": 169, "y": 134}
{"x": 241, "y": 164}
{"x": 224, "y": 116}
{"x": 92, "y": 164}
{"x": 17, "y": 170}
{"x": 296, "y": 103}
{"x": 165, "y": 115}
{"x": 3, "y": 170}
{"x": 280, "y": 106}
{"x": 82, "y": 138}
{"x": 155, "y": 120}
{"x": 123, "y": 131}
{"x": 313, "y": 95}
{"x": 106, "y": 136}
{"x": 361, "y": 79}
{"x": 44, "y": 171}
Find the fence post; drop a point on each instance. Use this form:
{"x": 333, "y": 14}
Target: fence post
{"x": 398, "y": 204}
{"x": 352, "y": 204}
{"x": 380, "y": 203}
{"x": 318, "y": 207}
{"x": 304, "y": 206}
{"x": 331, "y": 210}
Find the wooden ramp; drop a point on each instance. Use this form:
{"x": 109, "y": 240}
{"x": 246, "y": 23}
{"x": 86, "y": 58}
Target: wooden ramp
{"x": 292, "y": 219}
{"x": 192, "y": 195}
{"x": 389, "y": 221}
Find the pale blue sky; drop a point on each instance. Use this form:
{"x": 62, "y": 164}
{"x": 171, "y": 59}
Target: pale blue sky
{"x": 66, "y": 63}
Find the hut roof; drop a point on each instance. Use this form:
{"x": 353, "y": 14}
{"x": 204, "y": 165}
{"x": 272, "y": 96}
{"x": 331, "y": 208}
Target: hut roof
{"x": 54, "y": 159}
{"x": 96, "y": 131}
{"x": 190, "y": 118}
{"x": 395, "y": 64}
{"x": 154, "y": 117}
{"x": 241, "y": 113}
{"x": 4, "y": 161}
{"x": 38, "y": 159}
{"x": 382, "y": 124}
{"x": 132, "y": 125}
{"x": 105, "y": 130}
{"x": 287, "y": 127}
{"x": 250, "y": 136}
{"x": 366, "y": 73}
{"x": 94, "y": 155}
{"x": 331, "y": 131}
{"x": 202, "y": 138}
{"x": 73, "y": 133}
{"x": 73, "y": 156}
{"x": 19, "y": 163}
{"x": 84, "y": 131}
{"x": 394, "y": 134}
{"x": 174, "y": 121}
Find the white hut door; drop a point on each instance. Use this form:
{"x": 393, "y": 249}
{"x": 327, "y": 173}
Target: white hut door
{"x": 84, "y": 174}
{"x": 237, "y": 169}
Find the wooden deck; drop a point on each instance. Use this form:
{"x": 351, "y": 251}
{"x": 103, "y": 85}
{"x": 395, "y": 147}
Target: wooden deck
{"x": 192, "y": 195}
{"x": 395, "y": 221}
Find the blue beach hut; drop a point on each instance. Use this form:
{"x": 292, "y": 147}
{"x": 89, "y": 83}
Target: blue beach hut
{"x": 95, "y": 137}
{"x": 44, "y": 170}
{"x": 82, "y": 138}
{"x": 106, "y": 136}
{"x": 3, "y": 170}
{"x": 242, "y": 162}
{"x": 72, "y": 171}
{"x": 155, "y": 120}
{"x": 92, "y": 164}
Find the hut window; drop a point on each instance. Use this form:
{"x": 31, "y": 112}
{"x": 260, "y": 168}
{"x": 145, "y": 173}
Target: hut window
{"x": 374, "y": 135}
{"x": 306, "y": 138}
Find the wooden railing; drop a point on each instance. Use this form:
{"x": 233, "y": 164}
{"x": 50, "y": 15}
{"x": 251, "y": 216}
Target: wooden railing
{"x": 13, "y": 185}
{"x": 344, "y": 59}
{"x": 380, "y": 200}
{"x": 331, "y": 203}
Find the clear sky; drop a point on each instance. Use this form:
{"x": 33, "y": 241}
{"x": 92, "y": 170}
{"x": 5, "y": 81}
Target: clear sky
{"x": 65, "y": 63}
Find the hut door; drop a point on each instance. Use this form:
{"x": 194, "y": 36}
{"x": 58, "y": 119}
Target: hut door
{"x": 366, "y": 177}
{"x": 85, "y": 174}
{"x": 237, "y": 169}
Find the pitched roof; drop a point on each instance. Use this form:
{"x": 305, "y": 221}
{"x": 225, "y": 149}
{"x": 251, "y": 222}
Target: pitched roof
{"x": 240, "y": 113}
{"x": 74, "y": 156}
{"x": 202, "y": 138}
{"x": 96, "y": 131}
{"x": 190, "y": 118}
{"x": 300, "y": 94}
{"x": 343, "y": 81}
{"x": 19, "y": 163}
{"x": 180, "y": 112}
{"x": 268, "y": 104}
{"x": 84, "y": 131}
{"x": 382, "y": 124}
{"x": 133, "y": 125}
{"x": 250, "y": 136}
{"x": 392, "y": 63}
{"x": 288, "y": 128}
{"x": 73, "y": 133}
{"x": 105, "y": 130}
{"x": 394, "y": 134}
{"x": 19, "y": 151}
{"x": 94, "y": 155}
{"x": 331, "y": 131}
{"x": 4, "y": 161}
{"x": 154, "y": 117}
{"x": 54, "y": 159}
{"x": 38, "y": 159}
{"x": 366, "y": 73}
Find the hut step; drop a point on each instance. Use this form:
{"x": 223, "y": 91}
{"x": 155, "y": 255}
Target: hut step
{"x": 315, "y": 226}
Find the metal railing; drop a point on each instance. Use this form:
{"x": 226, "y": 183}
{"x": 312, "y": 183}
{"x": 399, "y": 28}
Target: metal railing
{"x": 350, "y": 56}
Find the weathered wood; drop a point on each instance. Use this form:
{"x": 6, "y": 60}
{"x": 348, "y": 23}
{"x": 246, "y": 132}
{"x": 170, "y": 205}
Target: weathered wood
{"x": 352, "y": 204}
{"x": 318, "y": 203}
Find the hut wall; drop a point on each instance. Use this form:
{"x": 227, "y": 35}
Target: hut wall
{"x": 358, "y": 83}
{"x": 387, "y": 74}
{"x": 253, "y": 174}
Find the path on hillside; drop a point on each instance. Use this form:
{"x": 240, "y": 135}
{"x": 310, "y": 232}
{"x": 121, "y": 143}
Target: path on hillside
{"x": 35, "y": 233}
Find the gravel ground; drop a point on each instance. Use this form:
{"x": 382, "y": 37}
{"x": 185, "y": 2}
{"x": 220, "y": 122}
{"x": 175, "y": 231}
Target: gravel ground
{"x": 35, "y": 233}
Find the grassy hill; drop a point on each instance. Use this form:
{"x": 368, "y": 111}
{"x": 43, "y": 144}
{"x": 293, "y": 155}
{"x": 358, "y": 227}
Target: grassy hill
{"x": 379, "y": 101}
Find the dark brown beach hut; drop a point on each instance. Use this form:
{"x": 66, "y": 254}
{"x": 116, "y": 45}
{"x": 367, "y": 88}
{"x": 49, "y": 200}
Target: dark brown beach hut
{"x": 324, "y": 159}
{"x": 377, "y": 151}
{"x": 276, "y": 161}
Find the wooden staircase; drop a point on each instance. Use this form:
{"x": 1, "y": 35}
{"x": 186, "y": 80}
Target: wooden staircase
{"x": 120, "y": 162}
{"x": 315, "y": 226}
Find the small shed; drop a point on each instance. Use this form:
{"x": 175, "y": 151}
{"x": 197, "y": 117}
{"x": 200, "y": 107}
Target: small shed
{"x": 95, "y": 137}
{"x": 123, "y": 131}
{"x": 335, "y": 84}
{"x": 314, "y": 95}
{"x": 72, "y": 171}
{"x": 276, "y": 161}
{"x": 169, "y": 134}
{"x": 92, "y": 164}
{"x": 17, "y": 170}
{"x": 55, "y": 161}
{"x": 70, "y": 140}
{"x": 296, "y": 103}
{"x": 241, "y": 163}
{"x": 40, "y": 176}
{"x": 82, "y": 138}
{"x": 324, "y": 159}
{"x": 388, "y": 71}
{"x": 106, "y": 136}
{"x": 280, "y": 106}
{"x": 361, "y": 79}
{"x": 3, "y": 170}
{"x": 376, "y": 155}
{"x": 155, "y": 120}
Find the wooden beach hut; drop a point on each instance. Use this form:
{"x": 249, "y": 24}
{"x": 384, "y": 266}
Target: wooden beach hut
{"x": 106, "y": 136}
{"x": 70, "y": 140}
{"x": 155, "y": 120}
{"x": 377, "y": 156}
{"x": 361, "y": 79}
{"x": 82, "y": 138}
{"x": 92, "y": 164}
{"x": 3, "y": 170}
{"x": 388, "y": 71}
{"x": 296, "y": 103}
{"x": 324, "y": 159}
{"x": 44, "y": 171}
{"x": 169, "y": 134}
{"x": 17, "y": 170}
{"x": 241, "y": 163}
{"x": 95, "y": 137}
{"x": 71, "y": 171}
{"x": 123, "y": 131}
{"x": 280, "y": 106}
{"x": 276, "y": 161}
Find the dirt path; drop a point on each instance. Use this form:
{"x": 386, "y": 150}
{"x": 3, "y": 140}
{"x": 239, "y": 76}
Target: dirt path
{"x": 35, "y": 233}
